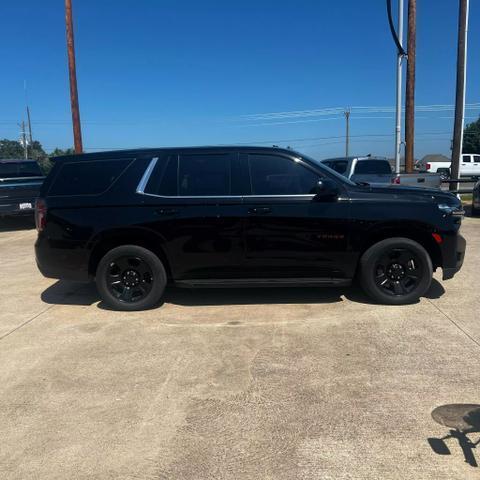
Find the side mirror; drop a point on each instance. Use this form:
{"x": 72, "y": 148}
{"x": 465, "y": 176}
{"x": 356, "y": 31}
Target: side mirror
{"x": 326, "y": 189}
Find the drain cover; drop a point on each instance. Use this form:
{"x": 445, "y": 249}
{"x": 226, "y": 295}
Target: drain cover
{"x": 462, "y": 416}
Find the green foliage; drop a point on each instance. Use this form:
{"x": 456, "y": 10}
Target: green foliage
{"x": 10, "y": 149}
{"x": 471, "y": 138}
{"x": 14, "y": 149}
{"x": 58, "y": 152}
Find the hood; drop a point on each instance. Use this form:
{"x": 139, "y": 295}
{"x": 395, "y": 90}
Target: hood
{"x": 416, "y": 193}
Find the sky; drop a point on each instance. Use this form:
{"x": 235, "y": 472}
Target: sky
{"x": 188, "y": 72}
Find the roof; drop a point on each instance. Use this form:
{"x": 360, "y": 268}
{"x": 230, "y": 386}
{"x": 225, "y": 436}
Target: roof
{"x": 16, "y": 160}
{"x": 357, "y": 157}
{"x": 435, "y": 157}
{"x": 150, "y": 151}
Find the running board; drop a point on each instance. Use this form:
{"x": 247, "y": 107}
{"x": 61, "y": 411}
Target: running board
{"x": 263, "y": 282}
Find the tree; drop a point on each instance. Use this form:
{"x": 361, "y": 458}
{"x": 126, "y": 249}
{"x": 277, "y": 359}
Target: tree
{"x": 14, "y": 149}
{"x": 10, "y": 149}
{"x": 471, "y": 138}
{"x": 59, "y": 152}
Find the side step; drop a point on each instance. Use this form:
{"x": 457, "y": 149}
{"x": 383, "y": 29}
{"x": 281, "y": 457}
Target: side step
{"x": 263, "y": 282}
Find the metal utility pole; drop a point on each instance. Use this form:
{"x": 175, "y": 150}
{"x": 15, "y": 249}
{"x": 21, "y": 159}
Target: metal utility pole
{"x": 23, "y": 140}
{"x": 460, "y": 92}
{"x": 410, "y": 90}
{"x": 77, "y": 131}
{"x": 347, "y": 133}
{"x": 398, "y": 115}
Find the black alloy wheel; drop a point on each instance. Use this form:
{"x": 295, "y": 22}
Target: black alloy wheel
{"x": 131, "y": 277}
{"x": 396, "y": 271}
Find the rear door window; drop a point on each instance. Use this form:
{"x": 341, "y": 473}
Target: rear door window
{"x": 204, "y": 175}
{"x": 87, "y": 177}
{"x": 164, "y": 178}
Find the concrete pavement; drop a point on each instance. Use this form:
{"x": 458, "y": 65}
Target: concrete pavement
{"x": 248, "y": 384}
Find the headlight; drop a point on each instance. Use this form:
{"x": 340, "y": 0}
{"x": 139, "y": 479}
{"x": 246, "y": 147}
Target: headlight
{"x": 456, "y": 211}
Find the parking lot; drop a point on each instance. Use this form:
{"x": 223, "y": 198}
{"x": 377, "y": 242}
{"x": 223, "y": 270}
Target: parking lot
{"x": 232, "y": 384}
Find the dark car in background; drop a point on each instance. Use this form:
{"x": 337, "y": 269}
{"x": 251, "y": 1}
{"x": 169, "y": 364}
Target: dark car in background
{"x": 476, "y": 199}
{"x": 20, "y": 182}
{"x": 237, "y": 216}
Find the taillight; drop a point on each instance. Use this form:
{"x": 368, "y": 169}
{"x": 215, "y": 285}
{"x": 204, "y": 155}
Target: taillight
{"x": 428, "y": 166}
{"x": 396, "y": 180}
{"x": 40, "y": 213}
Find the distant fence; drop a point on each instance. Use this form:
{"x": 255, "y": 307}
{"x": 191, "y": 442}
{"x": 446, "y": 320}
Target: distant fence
{"x": 462, "y": 180}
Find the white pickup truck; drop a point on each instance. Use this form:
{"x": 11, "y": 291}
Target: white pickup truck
{"x": 377, "y": 171}
{"x": 469, "y": 166}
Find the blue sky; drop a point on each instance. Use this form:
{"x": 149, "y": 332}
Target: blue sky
{"x": 184, "y": 72}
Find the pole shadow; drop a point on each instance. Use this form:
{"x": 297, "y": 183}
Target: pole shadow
{"x": 462, "y": 419}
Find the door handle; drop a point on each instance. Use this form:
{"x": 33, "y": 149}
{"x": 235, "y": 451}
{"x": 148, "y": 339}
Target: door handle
{"x": 259, "y": 210}
{"x": 166, "y": 211}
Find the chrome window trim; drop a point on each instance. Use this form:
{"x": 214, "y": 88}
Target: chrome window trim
{"x": 146, "y": 176}
{"x": 148, "y": 172}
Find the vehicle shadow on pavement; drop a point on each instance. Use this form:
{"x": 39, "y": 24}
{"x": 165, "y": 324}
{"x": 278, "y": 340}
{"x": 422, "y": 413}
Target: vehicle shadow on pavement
{"x": 11, "y": 224}
{"x": 70, "y": 293}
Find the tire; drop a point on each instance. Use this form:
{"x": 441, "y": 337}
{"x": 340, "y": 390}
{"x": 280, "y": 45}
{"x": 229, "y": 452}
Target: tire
{"x": 131, "y": 278}
{"x": 475, "y": 211}
{"x": 396, "y": 271}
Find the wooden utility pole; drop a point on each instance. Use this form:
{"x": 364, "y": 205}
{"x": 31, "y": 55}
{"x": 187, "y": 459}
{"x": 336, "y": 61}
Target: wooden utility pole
{"x": 77, "y": 131}
{"x": 460, "y": 92}
{"x": 410, "y": 89}
{"x": 30, "y": 136}
{"x": 347, "y": 132}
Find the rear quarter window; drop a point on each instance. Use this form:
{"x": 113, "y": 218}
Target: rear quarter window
{"x": 87, "y": 177}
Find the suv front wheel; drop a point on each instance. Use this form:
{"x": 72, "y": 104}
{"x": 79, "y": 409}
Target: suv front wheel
{"x": 396, "y": 271}
{"x": 131, "y": 278}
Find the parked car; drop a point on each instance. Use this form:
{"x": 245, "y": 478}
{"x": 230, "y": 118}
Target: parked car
{"x": 205, "y": 217}
{"x": 377, "y": 170}
{"x": 469, "y": 166}
{"x": 20, "y": 182}
{"x": 476, "y": 199}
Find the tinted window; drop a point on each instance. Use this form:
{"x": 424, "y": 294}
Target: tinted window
{"x": 340, "y": 166}
{"x": 466, "y": 159}
{"x": 275, "y": 175}
{"x": 87, "y": 177}
{"x": 372, "y": 167}
{"x": 20, "y": 169}
{"x": 164, "y": 178}
{"x": 476, "y": 158}
{"x": 204, "y": 175}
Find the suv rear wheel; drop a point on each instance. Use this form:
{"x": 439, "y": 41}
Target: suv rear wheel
{"x": 396, "y": 271}
{"x": 131, "y": 278}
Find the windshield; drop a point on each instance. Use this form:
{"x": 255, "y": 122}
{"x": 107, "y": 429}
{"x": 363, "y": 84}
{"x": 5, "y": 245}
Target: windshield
{"x": 328, "y": 169}
{"x": 20, "y": 169}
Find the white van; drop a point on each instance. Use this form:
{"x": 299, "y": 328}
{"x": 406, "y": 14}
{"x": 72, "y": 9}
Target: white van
{"x": 469, "y": 166}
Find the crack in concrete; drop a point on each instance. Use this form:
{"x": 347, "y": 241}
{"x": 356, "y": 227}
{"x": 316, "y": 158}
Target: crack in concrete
{"x": 451, "y": 320}
{"x": 26, "y": 322}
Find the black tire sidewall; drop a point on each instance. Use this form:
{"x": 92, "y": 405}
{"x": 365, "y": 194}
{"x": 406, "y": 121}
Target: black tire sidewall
{"x": 158, "y": 271}
{"x": 367, "y": 266}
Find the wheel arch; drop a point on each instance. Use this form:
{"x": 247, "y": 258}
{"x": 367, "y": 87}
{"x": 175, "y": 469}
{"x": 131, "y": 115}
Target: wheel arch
{"x": 106, "y": 241}
{"x": 423, "y": 236}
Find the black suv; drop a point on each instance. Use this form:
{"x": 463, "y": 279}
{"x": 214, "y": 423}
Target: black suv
{"x": 237, "y": 216}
